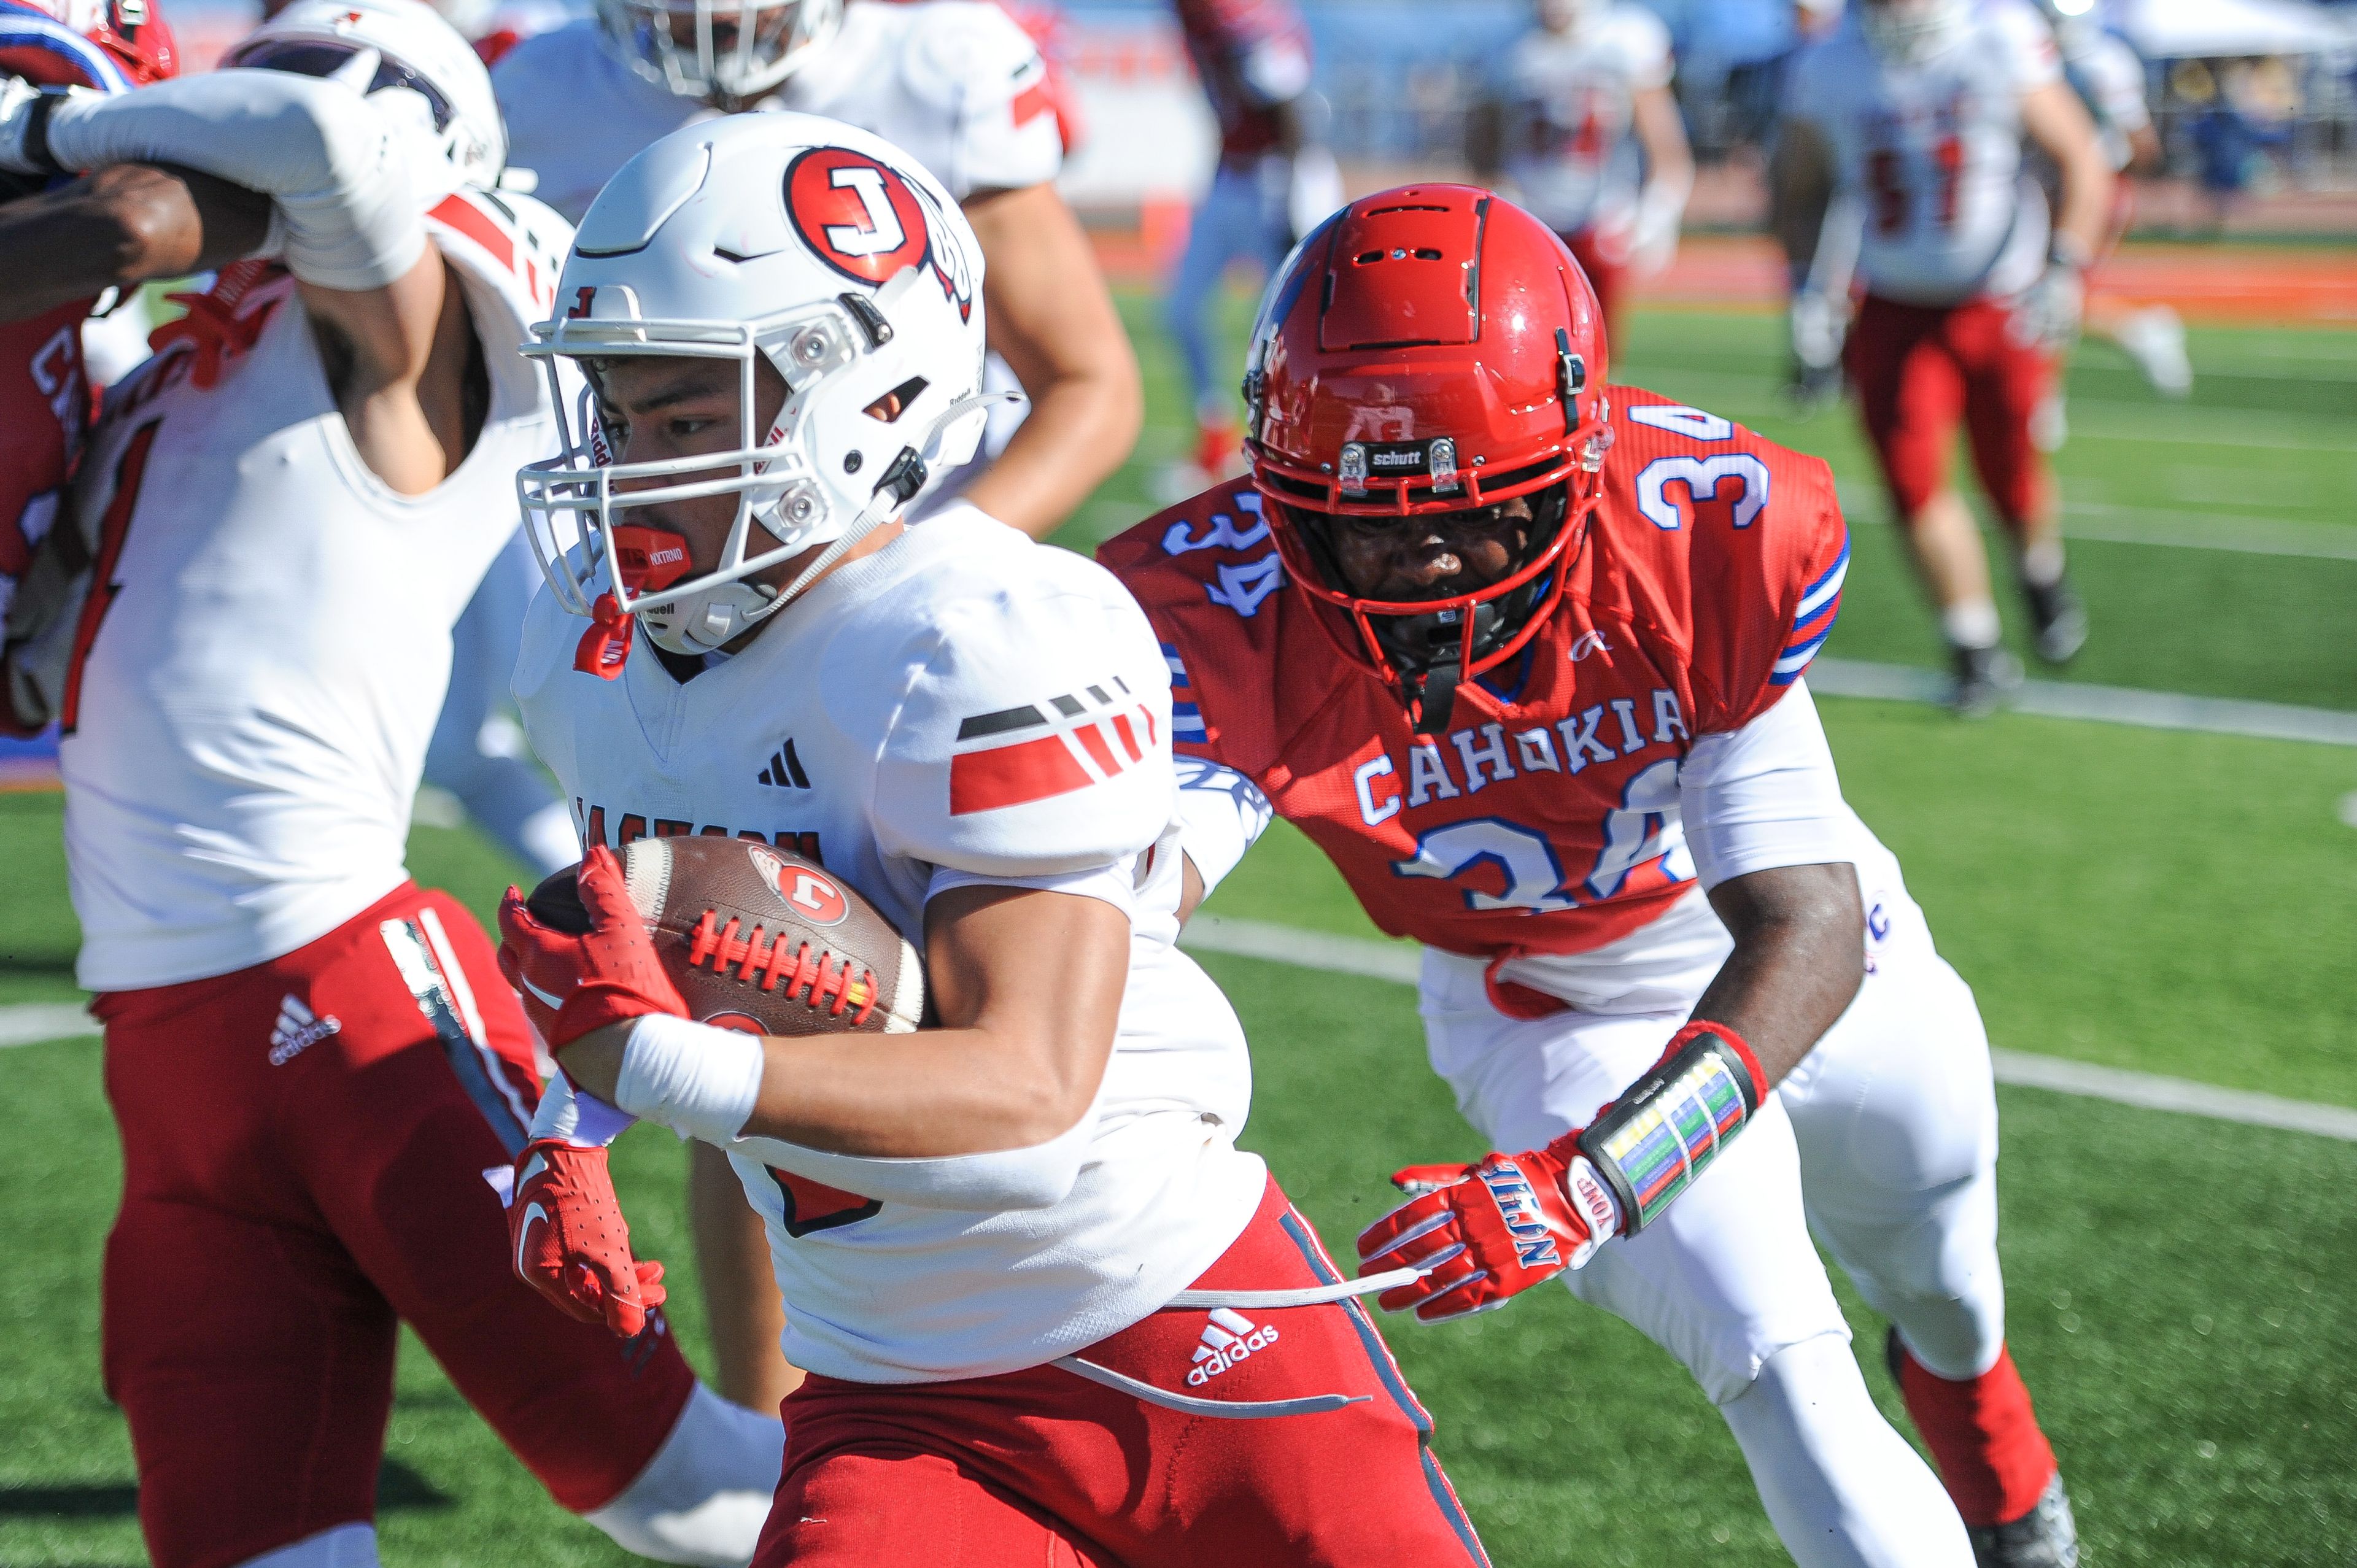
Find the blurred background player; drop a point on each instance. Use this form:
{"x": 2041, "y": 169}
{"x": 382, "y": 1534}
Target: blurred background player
{"x": 1275, "y": 180}
{"x": 1588, "y": 139}
{"x": 1819, "y": 272}
{"x": 2109, "y": 79}
{"x": 1532, "y": 675}
{"x": 964, "y": 90}
{"x": 959, "y": 85}
{"x": 242, "y": 631}
{"x": 44, "y": 391}
{"x": 1916, "y": 110}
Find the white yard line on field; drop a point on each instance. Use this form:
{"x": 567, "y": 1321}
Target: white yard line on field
{"x": 30, "y": 1023}
{"x": 1397, "y": 963}
{"x": 2104, "y": 704}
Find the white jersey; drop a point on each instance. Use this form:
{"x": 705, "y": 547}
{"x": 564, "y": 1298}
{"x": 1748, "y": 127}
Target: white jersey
{"x": 961, "y": 706}
{"x": 268, "y": 635}
{"x": 954, "y": 84}
{"x": 1932, "y": 152}
{"x": 1571, "y": 102}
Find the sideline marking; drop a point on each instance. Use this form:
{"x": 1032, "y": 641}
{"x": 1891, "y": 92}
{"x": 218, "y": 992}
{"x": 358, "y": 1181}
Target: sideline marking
{"x": 32, "y": 1022}
{"x": 1398, "y": 962}
{"x": 2104, "y": 704}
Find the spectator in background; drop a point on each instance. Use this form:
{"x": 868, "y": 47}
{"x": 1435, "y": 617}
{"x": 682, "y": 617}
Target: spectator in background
{"x": 1276, "y": 181}
{"x": 2251, "y": 103}
{"x": 1585, "y": 132}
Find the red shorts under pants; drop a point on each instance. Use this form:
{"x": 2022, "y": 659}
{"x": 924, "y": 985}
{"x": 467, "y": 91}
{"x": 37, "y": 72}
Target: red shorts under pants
{"x": 304, "y": 1147}
{"x": 1044, "y": 1469}
{"x": 1919, "y": 369}
{"x": 1604, "y": 272}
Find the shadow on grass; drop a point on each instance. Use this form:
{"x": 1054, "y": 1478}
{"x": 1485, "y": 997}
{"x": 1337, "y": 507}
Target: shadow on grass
{"x": 397, "y": 1487}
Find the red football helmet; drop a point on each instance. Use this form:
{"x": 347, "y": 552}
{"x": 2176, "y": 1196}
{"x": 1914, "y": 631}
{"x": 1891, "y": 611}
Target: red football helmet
{"x": 46, "y": 42}
{"x": 1433, "y": 348}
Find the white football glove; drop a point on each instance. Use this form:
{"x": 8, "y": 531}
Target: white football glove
{"x": 2045, "y": 314}
{"x": 1653, "y": 241}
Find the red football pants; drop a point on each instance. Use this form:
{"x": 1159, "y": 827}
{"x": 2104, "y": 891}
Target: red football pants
{"x": 1044, "y": 1469}
{"x": 303, "y": 1145}
{"x": 1921, "y": 368}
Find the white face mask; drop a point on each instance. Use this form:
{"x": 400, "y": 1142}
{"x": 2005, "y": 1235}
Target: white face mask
{"x": 1909, "y": 32}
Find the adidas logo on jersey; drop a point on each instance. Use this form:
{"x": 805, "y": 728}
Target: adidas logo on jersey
{"x": 1228, "y": 1338}
{"x": 297, "y": 1030}
{"x": 785, "y": 769}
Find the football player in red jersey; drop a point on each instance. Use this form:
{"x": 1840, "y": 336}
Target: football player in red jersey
{"x": 1523, "y": 652}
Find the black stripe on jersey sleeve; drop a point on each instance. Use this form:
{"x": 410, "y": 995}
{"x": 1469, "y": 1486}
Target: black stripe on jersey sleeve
{"x": 999, "y": 722}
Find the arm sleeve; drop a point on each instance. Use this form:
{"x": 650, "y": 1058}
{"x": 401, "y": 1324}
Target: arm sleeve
{"x": 2029, "y": 44}
{"x": 334, "y": 167}
{"x": 1647, "y": 46}
{"x": 975, "y": 66}
{"x": 1222, "y": 814}
{"x": 1035, "y": 1177}
{"x": 1765, "y": 795}
{"x": 1034, "y": 736}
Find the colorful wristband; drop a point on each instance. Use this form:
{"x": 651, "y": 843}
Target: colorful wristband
{"x": 1665, "y": 1131}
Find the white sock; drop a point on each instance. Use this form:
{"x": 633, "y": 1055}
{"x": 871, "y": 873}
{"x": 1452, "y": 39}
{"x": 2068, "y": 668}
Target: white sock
{"x": 704, "y": 1496}
{"x": 344, "y": 1546}
{"x": 1842, "y": 1488}
{"x": 2041, "y": 564}
{"x": 1972, "y": 624}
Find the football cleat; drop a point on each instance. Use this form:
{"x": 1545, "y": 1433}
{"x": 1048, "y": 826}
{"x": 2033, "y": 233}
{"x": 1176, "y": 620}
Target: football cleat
{"x": 1986, "y": 677}
{"x": 2058, "y": 619}
{"x": 2045, "y": 1537}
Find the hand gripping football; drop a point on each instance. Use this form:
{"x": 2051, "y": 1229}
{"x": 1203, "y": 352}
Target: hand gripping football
{"x": 759, "y": 938}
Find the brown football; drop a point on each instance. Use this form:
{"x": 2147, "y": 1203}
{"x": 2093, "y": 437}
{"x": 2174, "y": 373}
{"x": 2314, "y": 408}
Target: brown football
{"x": 759, "y": 938}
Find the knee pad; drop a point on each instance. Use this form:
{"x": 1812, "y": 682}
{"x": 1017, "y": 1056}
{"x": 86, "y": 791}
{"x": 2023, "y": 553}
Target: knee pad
{"x": 705, "y": 1495}
{"x": 345, "y": 1546}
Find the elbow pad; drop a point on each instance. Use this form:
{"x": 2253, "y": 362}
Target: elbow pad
{"x": 335, "y": 167}
{"x": 1037, "y": 1177}
{"x": 1222, "y": 814}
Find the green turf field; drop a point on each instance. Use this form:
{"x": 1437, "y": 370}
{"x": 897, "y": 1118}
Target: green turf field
{"x": 2181, "y": 1289}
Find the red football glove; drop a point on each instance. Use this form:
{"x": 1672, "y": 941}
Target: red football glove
{"x": 569, "y": 1241}
{"x": 1485, "y": 1233}
{"x": 572, "y": 984}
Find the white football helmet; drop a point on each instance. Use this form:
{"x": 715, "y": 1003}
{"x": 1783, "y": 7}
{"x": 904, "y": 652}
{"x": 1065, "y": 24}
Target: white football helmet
{"x": 384, "y": 46}
{"x": 828, "y": 252}
{"x": 1909, "y": 32}
{"x": 734, "y": 50}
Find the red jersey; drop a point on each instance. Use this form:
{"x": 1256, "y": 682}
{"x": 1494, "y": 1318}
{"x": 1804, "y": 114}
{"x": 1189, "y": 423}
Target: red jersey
{"x": 43, "y": 406}
{"x": 1547, "y": 821}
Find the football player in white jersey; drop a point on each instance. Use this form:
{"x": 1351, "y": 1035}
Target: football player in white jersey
{"x": 311, "y": 1061}
{"x": 1030, "y": 1275}
{"x": 1590, "y": 140}
{"x": 961, "y": 87}
{"x": 1916, "y": 110}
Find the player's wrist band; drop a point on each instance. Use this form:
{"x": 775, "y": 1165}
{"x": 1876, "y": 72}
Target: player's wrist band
{"x": 36, "y": 148}
{"x": 1665, "y": 1131}
{"x": 693, "y": 1077}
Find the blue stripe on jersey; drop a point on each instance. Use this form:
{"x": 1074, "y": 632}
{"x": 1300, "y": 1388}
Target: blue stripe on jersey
{"x": 1187, "y": 721}
{"x": 1817, "y": 594}
{"x": 1820, "y": 607}
{"x": 21, "y": 27}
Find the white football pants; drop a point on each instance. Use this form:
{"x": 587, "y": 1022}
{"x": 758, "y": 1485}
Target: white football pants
{"x": 1884, "y": 1142}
